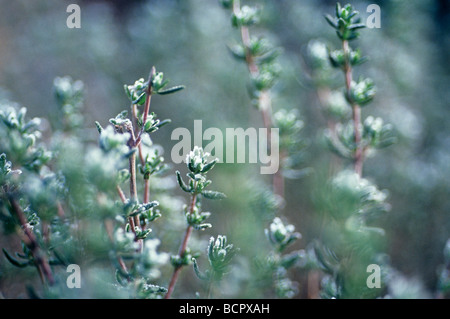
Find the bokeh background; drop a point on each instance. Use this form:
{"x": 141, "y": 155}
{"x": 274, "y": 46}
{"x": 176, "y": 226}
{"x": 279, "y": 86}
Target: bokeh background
{"x": 120, "y": 40}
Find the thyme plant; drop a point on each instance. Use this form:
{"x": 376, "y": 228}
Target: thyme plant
{"x": 350, "y": 203}
{"x": 260, "y": 57}
{"x": 108, "y": 202}
{"x": 76, "y": 210}
{"x": 199, "y": 165}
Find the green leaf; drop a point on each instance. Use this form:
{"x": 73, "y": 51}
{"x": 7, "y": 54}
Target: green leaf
{"x": 120, "y": 278}
{"x": 150, "y": 205}
{"x": 289, "y": 260}
{"x": 356, "y": 26}
{"x": 141, "y": 234}
{"x": 152, "y": 215}
{"x": 238, "y": 51}
{"x": 213, "y": 195}
{"x": 202, "y": 226}
{"x": 200, "y": 275}
{"x": 226, "y": 4}
{"x": 208, "y": 166}
{"x": 139, "y": 100}
{"x": 99, "y": 127}
{"x": 331, "y": 21}
{"x": 338, "y": 9}
{"x": 171, "y": 90}
{"x": 148, "y": 125}
{"x": 270, "y": 56}
{"x": 180, "y": 261}
{"x": 163, "y": 122}
{"x": 14, "y": 261}
{"x": 246, "y": 16}
{"x": 183, "y": 186}
{"x": 122, "y": 115}
{"x": 137, "y": 92}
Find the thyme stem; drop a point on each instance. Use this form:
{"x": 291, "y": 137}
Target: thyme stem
{"x": 183, "y": 246}
{"x": 356, "y": 110}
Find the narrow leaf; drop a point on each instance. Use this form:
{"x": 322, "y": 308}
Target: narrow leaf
{"x": 200, "y": 275}
{"x": 338, "y": 9}
{"x": 14, "y": 261}
{"x": 331, "y": 21}
{"x": 99, "y": 127}
{"x": 213, "y": 195}
{"x": 356, "y": 26}
{"x": 151, "y": 204}
{"x": 171, "y": 90}
{"x": 237, "y": 51}
{"x": 136, "y": 101}
{"x": 163, "y": 122}
{"x": 183, "y": 186}
{"x": 208, "y": 166}
{"x": 202, "y": 226}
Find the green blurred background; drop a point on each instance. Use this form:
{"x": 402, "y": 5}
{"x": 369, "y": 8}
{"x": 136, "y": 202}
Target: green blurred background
{"x": 120, "y": 40}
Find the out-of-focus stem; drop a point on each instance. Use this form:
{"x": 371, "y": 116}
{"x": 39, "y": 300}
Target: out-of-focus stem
{"x": 356, "y": 110}
{"x": 109, "y": 232}
{"x": 264, "y": 98}
{"x": 121, "y": 194}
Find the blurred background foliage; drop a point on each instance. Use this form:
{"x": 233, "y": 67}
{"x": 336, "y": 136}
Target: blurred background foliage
{"x": 120, "y": 40}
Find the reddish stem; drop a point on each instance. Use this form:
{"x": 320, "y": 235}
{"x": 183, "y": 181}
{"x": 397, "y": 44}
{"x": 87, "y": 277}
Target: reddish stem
{"x": 264, "y": 99}
{"x": 182, "y": 249}
{"x": 39, "y": 258}
{"x": 177, "y": 270}
{"x": 109, "y": 232}
{"x": 121, "y": 194}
